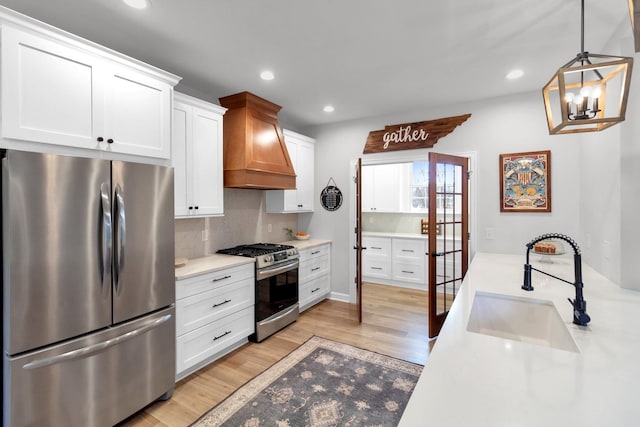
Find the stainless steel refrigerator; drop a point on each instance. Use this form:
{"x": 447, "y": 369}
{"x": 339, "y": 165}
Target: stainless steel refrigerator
{"x": 88, "y": 289}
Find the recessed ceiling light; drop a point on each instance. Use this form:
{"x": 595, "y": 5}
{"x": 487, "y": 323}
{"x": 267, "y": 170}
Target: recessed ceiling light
{"x": 138, "y": 4}
{"x": 328, "y": 109}
{"x": 515, "y": 74}
{"x": 267, "y": 75}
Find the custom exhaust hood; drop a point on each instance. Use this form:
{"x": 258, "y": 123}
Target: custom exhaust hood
{"x": 255, "y": 155}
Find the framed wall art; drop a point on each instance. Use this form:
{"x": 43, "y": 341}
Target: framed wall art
{"x": 525, "y": 182}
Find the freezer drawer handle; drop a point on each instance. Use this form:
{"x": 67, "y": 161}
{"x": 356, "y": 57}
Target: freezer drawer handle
{"x": 220, "y": 303}
{"x": 220, "y": 336}
{"x": 315, "y": 290}
{"x": 315, "y": 269}
{"x": 221, "y": 278}
{"x": 98, "y": 347}
{"x": 315, "y": 253}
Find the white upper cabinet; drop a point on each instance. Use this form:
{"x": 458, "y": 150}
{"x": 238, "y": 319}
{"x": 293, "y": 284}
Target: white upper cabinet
{"x": 197, "y": 157}
{"x": 383, "y": 188}
{"x": 302, "y": 153}
{"x": 62, "y": 91}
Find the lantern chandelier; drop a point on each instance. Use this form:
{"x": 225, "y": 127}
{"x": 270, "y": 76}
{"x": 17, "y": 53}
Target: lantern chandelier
{"x": 588, "y": 93}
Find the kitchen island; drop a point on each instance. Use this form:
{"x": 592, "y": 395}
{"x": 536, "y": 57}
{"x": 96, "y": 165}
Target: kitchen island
{"x": 473, "y": 379}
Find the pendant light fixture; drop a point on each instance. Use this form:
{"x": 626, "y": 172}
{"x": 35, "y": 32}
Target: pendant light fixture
{"x": 588, "y": 93}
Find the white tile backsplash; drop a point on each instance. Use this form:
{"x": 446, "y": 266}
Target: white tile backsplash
{"x": 392, "y": 222}
{"x": 245, "y": 221}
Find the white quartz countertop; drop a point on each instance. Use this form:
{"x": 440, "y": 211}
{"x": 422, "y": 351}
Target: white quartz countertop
{"x": 472, "y": 379}
{"x": 397, "y": 235}
{"x": 209, "y": 264}
{"x": 306, "y": 244}
{"x": 390, "y": 234}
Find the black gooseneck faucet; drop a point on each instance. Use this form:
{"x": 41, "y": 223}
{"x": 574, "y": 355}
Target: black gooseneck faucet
{"x": 580, "y": 316}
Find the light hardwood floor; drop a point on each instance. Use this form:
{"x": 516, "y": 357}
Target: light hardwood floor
{"x": 394, "y": 323}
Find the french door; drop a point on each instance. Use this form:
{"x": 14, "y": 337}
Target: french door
{"x": 358, "y": 230}
{"x": 448, "y": 234}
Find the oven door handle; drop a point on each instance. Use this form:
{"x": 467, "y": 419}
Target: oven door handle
{"x": 268, "y": 272}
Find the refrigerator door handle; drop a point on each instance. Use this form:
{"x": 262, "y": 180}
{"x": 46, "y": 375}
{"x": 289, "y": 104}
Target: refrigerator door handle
{"x": 98, "y": 347}
{"x": 121, "y": 234}
{"x": 107, "y": 238}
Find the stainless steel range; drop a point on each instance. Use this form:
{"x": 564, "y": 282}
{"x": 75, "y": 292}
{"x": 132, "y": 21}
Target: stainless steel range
{"x": 276, "y": 285}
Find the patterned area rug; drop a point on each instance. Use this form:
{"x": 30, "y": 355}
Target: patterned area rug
{"x": 322, "y": 383}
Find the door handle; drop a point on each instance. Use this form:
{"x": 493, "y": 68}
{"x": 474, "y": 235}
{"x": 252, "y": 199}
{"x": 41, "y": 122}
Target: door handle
{"x": 361, "y": 247}
{"x": 435, "y": 254}
{"x": 121, "y": 235}
{"x": 107, "y": 238}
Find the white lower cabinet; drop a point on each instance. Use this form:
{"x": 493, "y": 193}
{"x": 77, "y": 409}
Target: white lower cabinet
{"x": 409, "y": 261}
{"x": 395, "y": 261}
{"x": 314, "y": 277}
{"x": 214, "y": 315}
{"x": 376, "y": 263}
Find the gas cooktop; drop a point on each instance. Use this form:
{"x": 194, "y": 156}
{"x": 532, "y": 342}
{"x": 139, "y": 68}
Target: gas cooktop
{"x": 266, "y": 254}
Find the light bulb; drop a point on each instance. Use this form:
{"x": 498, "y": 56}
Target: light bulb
{"x": 267, "y": 75}
{"x": 597, "y": 91}
{"x": 137, "y": 4}
{"x": 585, "y": 91}
{"x": 568, "y": 97}
{"x": 578, "y": 99}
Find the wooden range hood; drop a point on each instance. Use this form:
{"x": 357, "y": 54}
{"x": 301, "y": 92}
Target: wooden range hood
{"x": 255, "y": 155}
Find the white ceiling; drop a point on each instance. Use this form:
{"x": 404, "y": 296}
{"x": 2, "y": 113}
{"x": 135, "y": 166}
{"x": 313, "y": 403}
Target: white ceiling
{"x": 365, "y": 57}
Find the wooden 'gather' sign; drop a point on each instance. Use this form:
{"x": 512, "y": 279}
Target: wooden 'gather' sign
{"x": 410, "y": 136}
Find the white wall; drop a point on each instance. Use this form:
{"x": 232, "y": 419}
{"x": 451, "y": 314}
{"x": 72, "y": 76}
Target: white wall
{"x": 629, "y": 253}
{"x": 501, "y": 125}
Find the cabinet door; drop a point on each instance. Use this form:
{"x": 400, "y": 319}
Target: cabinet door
{"x": 181, "y": 133}
{"x": 50, "y": 93}
{"x": 207, "y": 163}
{"x": 291, "y": 196}
{"x": 368, "y": 203}
{"x": 387, "y": 188}
{"x": 305, "y": 179}
{"x": 138, "y": 113}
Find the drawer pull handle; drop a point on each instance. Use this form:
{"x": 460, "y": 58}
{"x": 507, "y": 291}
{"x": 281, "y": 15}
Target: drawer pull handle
{"x": 315, "y": 253}
{"x": 443, "y": 275}
{"x": 407, "y": 250}
{"x": 220, "y": 336}
{"x": 315, "y": 290}
{"x": 409, "y": 272}
{"x": 221, "y": 278}
{"x": 314, "y": 269}
{"x": 375, "y": 247}
{"x": 220, "y": 303}
{"x": 376, "y": 268}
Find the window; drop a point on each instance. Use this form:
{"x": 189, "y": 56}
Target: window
{"x": 420, "y": 186}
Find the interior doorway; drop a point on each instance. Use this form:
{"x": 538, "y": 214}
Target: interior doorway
{"x": 407, "y": 193}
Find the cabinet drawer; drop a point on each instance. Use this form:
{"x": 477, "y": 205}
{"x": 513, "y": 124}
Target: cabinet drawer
{"x": 203, "y": 343}
{"x": 216, "y": 279}
{"x": 316, "y": 289}
{"x": 313, "y": 268}
{"x": 380, "y": 246}
{"x": 315, "y": 252}
{"x": 446, "y": 271}
{"x": 198, "y": 310}
{"x": 376, "y": 268}
{"x": 409, "y": 273}
{"x": 409, "y": 250}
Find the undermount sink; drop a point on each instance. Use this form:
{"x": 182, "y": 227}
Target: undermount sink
{"x": 520, "y": 319}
